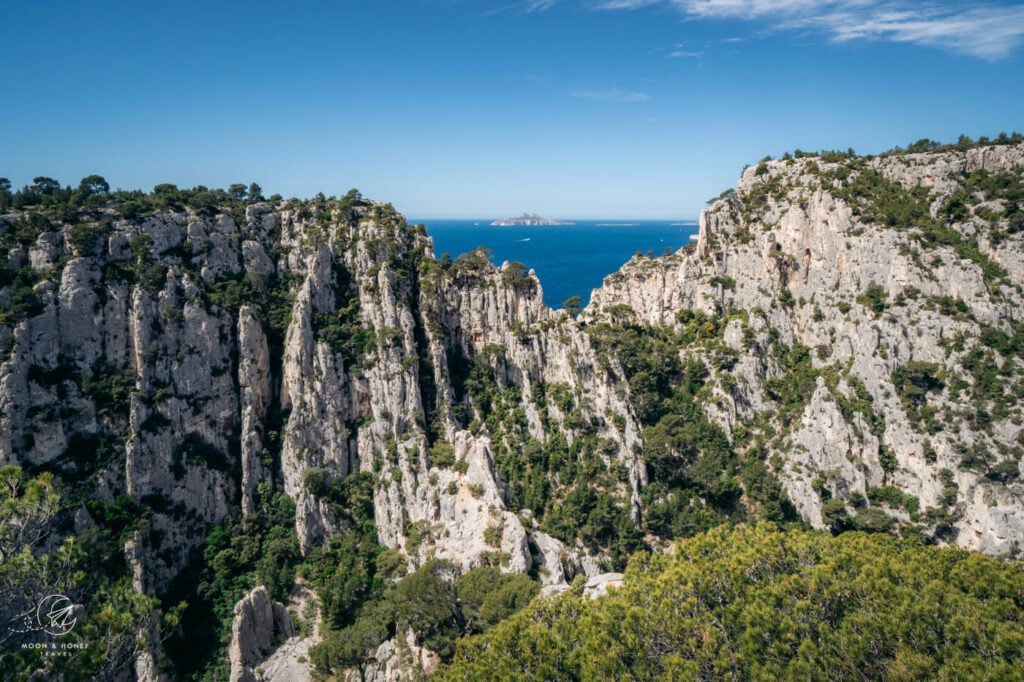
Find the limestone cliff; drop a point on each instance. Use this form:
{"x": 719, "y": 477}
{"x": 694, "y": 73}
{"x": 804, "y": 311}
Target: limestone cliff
{"x": 899, "y": 278}
{"x": 849, "y": 327}
{"x": 195, "y": 362}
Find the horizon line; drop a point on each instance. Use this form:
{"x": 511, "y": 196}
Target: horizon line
{"x": 418, "y": 218}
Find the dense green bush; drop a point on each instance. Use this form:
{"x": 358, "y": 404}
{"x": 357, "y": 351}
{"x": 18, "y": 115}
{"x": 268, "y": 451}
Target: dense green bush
{"x": 876, "y": 199}
{"x": 442, "y": 454}
{"x": 88, "y": 568}
{"x": 516, "y": 276}
{"x": 88, "y": 238}
{"x": 435, "y": 602}
{"x": 913, "y": 382}
{"x": 487, "y": 596}
{"x": 238, "y": 555}
{"x": 697, "y": 478}
{"x": 874, "y": 299}
{"x": 24, "y": 303}
{"x": 755, "y": 603}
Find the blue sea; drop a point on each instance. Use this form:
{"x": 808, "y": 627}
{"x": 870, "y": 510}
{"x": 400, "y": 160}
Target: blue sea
{"x": 570, "y": 260}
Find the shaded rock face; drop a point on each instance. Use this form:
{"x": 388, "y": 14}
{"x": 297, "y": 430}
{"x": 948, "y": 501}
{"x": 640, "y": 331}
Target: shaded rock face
{"x": 196, "y": 363}
{"x": 904, "y": 324}
{"x": 190, "y": 359}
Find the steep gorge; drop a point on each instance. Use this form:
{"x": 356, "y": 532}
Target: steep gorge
{"x": 843, "y": 342}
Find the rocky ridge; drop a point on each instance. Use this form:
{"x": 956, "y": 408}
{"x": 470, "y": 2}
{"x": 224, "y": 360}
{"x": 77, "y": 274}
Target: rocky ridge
{"x": 903, "y": 323}
{"x": 197, "y": 362}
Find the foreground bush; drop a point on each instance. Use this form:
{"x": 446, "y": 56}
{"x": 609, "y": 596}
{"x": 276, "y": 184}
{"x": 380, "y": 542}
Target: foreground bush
{"x": 759, "y": 603}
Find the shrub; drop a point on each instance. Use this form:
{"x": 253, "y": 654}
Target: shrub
{"x": 853, "y": 605}
{"x": 88, "y": 238}
{"x": 874, "y": 299}
{"x": 487, "y": 596}
{"x": 442, "y": 454}
{"x": 515, "y": 276}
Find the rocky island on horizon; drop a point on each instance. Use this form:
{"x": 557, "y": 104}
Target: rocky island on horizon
{"x": 528, "y": 219}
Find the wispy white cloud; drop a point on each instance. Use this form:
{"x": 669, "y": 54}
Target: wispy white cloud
{"x": 989, "y": 31}
{"x": 677, "y": 54}
{"x": 681, "y": 51}
{"x": 538, "y": 5}
{"x": 625, "y": 4}
{"x": 610, "y": 95}
{"x": 521, "y": 7}
{"x": 748, "y": 9}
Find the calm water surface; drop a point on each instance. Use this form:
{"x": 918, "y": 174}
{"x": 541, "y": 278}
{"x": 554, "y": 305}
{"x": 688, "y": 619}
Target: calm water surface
{"x": 570, "y": 260}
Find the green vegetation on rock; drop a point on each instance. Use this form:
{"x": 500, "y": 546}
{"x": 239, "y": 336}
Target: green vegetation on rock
{"x": 88, "y": 569}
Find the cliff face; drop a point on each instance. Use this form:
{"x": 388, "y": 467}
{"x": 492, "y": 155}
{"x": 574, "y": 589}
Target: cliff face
{"x": 151, "y": 369}
{"x": 849, "y": 327}
{"x": 900, "y": 279}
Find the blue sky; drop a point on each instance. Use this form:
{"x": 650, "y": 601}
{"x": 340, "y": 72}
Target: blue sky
{"x": 480, "y": 108}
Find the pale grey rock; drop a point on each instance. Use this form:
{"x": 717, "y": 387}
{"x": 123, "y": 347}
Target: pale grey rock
{"x": 197, "y": 237}
{"x": 553, "y": 590}
{"x": 119, "y": 243}
{"x": 165, "y": 231}
{"x": 254, "y": 387}
{"x": 550, "y": 559}
{"x": 16, "y": 258}
{"x": 133, "y": 550}
{"x": 222, "y": 255}
{"x": 317, "y": 390}
{"x": 290, "y": 660}
{"x": 225, "y": 225}
{"x": 260, "y": 219}
{"x": 146, "y": 669}
{"x": 259, "y": 625}
{"x": 397, "y": 660}
{"x": 256, "y": 262}
{"x": 79, "y": 326}
{"x": 585, "y": 564}
{"x": 289, "y": 663}
{"x": 177, "y": 345}
{"x": 44, "y": 253}
{"x": 599, "y": 585}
